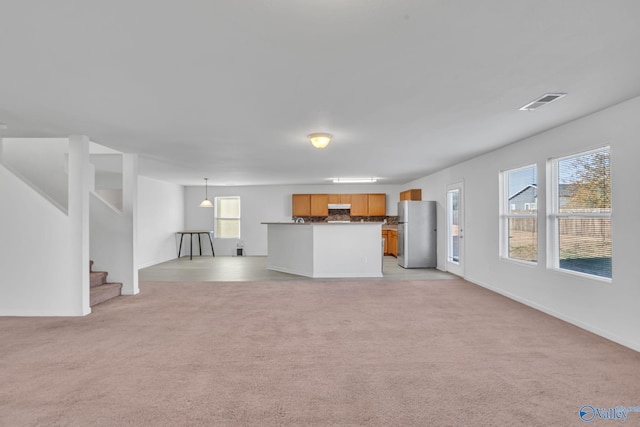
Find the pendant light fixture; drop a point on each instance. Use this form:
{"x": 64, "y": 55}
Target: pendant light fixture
{"x": 206, "y": 203}
{"x": 319, "y": 139}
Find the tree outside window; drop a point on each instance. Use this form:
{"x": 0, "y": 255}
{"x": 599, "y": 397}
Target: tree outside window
{"x": 582, "y": 215}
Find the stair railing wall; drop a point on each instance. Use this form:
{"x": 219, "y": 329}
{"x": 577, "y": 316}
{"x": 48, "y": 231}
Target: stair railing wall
{"x": 113, "y": 231}
{"x": 41, "y": 163}
{"x": 43, "y": 249}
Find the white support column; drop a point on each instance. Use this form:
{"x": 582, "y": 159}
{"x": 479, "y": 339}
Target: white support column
{"x": 79, "y": 218}
{"x": 130, "y": 214}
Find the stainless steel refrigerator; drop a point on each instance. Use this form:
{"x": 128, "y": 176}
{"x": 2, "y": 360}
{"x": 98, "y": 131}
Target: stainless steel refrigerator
{"x": 416, "y": 234}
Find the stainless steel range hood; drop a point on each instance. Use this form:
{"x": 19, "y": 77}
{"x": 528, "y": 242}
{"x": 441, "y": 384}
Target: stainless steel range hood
{"x": 339, "y": 206}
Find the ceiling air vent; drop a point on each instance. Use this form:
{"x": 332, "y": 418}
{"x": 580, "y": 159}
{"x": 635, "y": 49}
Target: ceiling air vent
{"x": 543, "y": 100}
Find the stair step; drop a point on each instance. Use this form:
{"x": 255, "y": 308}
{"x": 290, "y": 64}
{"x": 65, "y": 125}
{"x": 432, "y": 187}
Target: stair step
{"x": 98, "y": 278}
{"x": 102, "y": 293}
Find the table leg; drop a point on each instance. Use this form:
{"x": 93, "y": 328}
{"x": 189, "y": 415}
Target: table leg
{"x": 211, "y": 241}
{"x": 200, "y": 244}
{"x": 180, "y": 247}
{"x": 191, "y": 248}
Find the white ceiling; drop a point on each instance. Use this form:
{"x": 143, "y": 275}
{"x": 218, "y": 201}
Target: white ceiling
{"x": 229, "y": 89}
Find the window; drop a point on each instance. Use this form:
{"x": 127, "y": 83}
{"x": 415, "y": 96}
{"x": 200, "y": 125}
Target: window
{"x": 519, "y": 214}
{"x": 580, "y": 216}
{"x": 227, "y": 217}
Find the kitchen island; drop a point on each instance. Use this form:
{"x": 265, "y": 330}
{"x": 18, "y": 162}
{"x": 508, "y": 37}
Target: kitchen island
{"x": 325, "y": 250}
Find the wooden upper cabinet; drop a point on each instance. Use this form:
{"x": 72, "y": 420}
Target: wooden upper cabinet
{"x": 301, "y": 205}
{"x": 413, "y": 194}
{"x": 359, "y": 205}
{"x": 377, "y": 205}
{"x": 344, "y": 198}
{"x": 339, "y": 198}
{"x": 319, "y": 204}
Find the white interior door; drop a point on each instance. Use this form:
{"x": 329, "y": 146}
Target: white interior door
{"x": 455, "y": 229}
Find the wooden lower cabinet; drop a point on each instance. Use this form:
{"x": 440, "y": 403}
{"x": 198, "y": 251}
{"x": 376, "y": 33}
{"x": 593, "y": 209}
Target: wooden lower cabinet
{"x": 385, "y": 236}
{"x": 390, "y": 242}
{"x": 393, "y": 243}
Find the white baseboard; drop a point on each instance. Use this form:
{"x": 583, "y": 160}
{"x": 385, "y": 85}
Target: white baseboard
{"x": 595, "y": 330}
{"x": 158, "y": 261}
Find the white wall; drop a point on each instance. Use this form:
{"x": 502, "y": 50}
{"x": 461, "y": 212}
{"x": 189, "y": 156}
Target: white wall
{"x": 42, "y": 164}
{"x": 108, "y": 229}
{"x": 608, "y": 309}
{"x": 160, "y": 215}
{"x": 43, "y": 249}
{"x": 108, "y": 174}
{"x": 34, "y": 256}
{"x": 260, "y": 204}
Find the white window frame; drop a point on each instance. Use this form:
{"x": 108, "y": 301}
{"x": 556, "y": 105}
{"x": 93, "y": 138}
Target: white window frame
{"x": 216, "y": 217}
{"x": 506, "y": 215}
{"x": 554, "y": 216}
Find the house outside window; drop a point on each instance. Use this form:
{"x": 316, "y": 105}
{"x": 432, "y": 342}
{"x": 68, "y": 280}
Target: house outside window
{"x": 519, "y": 214}
{"x": 580, "y": 216}
{"x": 227, "y": 217}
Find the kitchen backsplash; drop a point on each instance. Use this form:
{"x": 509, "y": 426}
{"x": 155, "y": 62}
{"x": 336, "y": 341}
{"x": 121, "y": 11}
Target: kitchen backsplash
{"x": 338, "y": 215}
{"x": 343, "y": 215}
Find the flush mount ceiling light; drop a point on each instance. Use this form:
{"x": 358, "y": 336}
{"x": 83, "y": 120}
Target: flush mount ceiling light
{"x": 3, "y": 126}
{"x": 319, "y": 139}
{"x": 354, "y": 180}
{"x": 545, "y": 99}
{"x": 206, "y": 203}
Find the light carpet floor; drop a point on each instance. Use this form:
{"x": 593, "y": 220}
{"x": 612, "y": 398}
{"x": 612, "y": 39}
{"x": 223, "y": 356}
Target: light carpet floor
{"x": 405, "y": 353}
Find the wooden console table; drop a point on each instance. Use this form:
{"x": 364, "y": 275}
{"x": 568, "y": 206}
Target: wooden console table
{"x": 198, "y": 233}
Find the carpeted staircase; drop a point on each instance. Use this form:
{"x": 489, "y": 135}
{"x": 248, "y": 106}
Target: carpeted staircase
{"x": 101, "y": 291}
